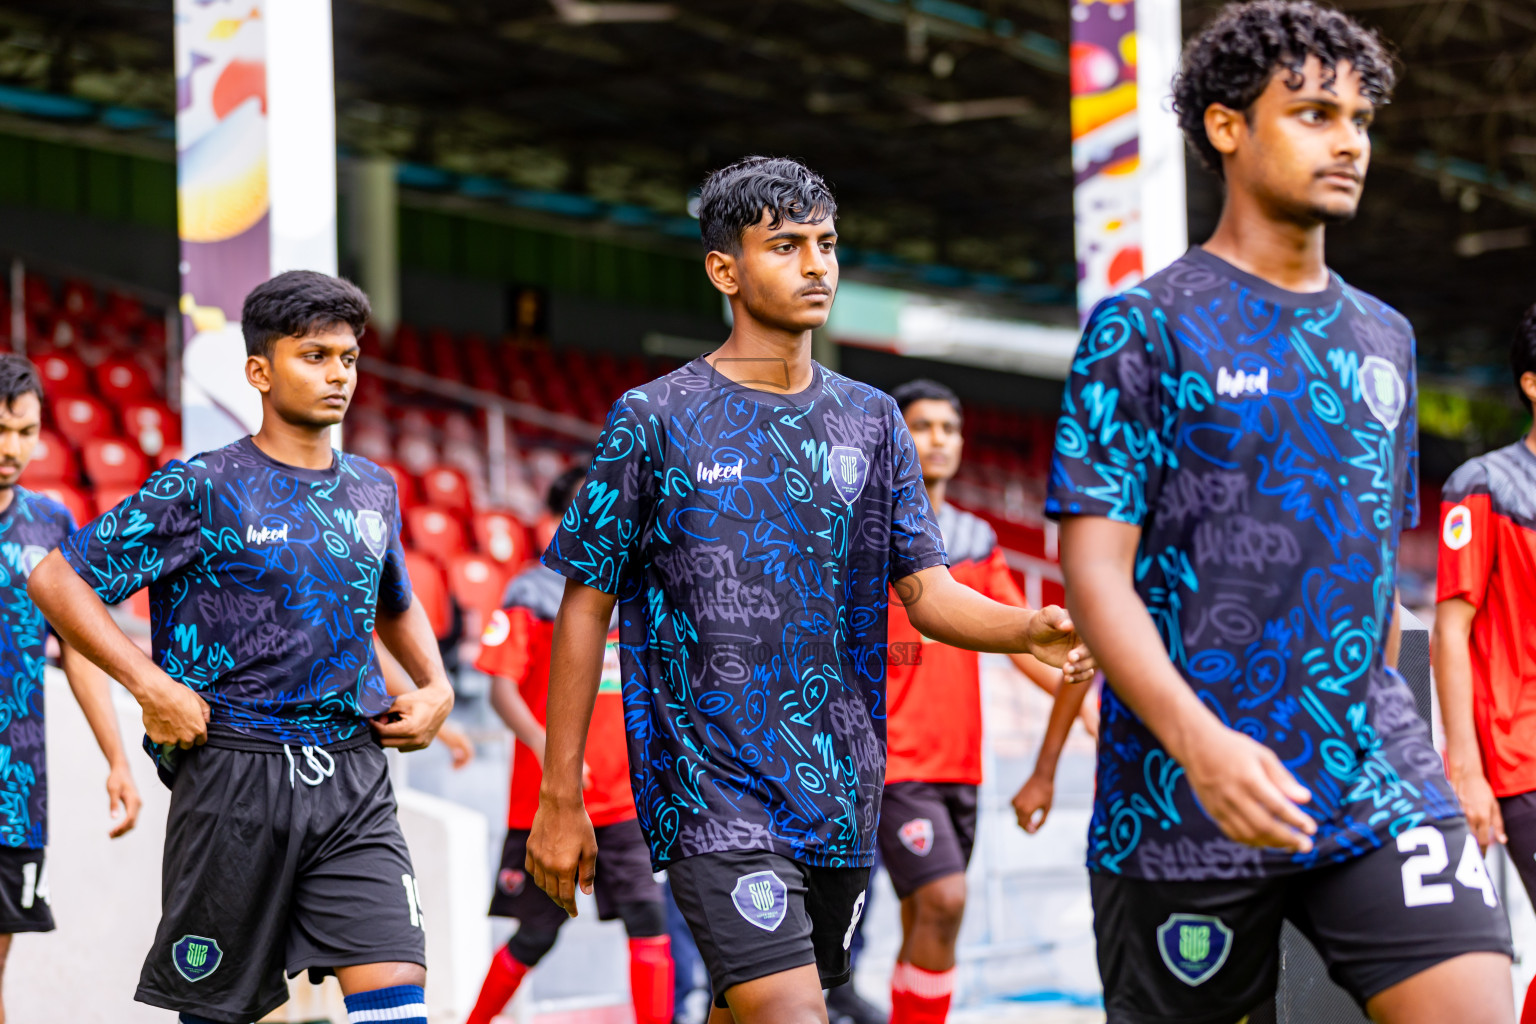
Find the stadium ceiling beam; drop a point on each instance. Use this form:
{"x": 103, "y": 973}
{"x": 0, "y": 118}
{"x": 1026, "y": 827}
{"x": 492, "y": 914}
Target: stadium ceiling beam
{"x": 946, "y": 19}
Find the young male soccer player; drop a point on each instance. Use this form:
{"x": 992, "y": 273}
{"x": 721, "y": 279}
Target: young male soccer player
{"x": 31, "y": 525}
{"x": 271, "y": 562}
{"x": 515, "y": 652}
{"x": 1235, "y": 459}
{"x": 933, "y": 729}
{"x": 1484, "y": 653}
{"x": 747, "y": 511}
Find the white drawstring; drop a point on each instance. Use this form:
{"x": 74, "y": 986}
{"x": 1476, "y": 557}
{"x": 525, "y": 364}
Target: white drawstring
{"x": 322, "y": 772}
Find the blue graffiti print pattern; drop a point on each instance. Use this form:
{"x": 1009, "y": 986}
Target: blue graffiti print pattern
{"x": 1266, "y": 444}
{"x": 750, "y": 538}
{"x": 263, "y": 584}
{"x": 30, "y": 526}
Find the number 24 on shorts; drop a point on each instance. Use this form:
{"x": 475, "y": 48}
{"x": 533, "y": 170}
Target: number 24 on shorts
{"x": 1470, "y": 872}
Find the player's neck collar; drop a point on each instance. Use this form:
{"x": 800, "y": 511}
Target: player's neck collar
{"x": 1268, "y": 290}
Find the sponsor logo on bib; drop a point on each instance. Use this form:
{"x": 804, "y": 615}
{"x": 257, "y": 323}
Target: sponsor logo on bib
{"x": 196, "y": 957}
{"x": 762, "y": 899}
{"x": 1193, "y": 946}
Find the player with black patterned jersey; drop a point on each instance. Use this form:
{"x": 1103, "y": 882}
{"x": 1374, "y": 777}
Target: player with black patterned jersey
{"x": 270, "y": 563}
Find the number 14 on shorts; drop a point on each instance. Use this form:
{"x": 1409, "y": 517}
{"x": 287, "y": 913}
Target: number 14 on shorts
{"x": 1470, "y": 871}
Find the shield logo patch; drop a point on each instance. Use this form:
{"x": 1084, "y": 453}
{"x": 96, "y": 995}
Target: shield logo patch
{"x": 370, "y": 525}
{"x": 1193, "y": 946}
{"x": 1382, "y": 388}
{"x": 917, "y": 836}
{"x": 850, "y": 471}
{"x": 762, "y": 898}
{"x": 196, "y": 957}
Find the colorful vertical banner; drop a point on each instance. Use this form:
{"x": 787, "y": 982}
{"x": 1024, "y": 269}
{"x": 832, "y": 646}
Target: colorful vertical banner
{"x": 1127, "y": 157}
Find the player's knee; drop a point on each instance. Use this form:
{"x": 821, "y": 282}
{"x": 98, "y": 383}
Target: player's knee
{"x": 643, "y": 919}
{"x": 941, "y": 904}
{"x": 530, "y": 945}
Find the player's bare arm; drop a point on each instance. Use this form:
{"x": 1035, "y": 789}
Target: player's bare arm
{"x": 93, "y": 692}
{"x": 562, "y": 846}
{"x": 1451, "y": 655}
{"x": 1240, "y": 783}
{"x": 173, "y": 713}
{"x": 1032, "y": 803}
{"x": 951, "y": 613}
{"x": 416, "y": 716}
{"x": 461, "y": 750}
{"x": 517, "y": 716}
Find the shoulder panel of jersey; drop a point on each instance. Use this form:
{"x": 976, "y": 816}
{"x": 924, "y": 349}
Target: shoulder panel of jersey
{"x": 1507, "y": 475}
{"x": 537, "y": 589}
{"x": 967, "y": 537}
{"x": 42, "y": 507}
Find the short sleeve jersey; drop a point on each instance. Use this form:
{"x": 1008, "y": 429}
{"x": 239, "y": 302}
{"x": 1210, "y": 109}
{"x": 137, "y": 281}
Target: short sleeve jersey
{"x": 264, "y": 580}
{"x": 30, "y": 526}
{"x": 1265, "y": 442}
{"x": 933, "y": 727}
{"x": 750, "y": 538}
{"x": 516, "y": 645}
{"x": 1488, "y": 558}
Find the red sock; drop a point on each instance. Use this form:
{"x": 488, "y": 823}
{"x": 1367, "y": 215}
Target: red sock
{"x": 500, "y": 985}
{"x": 1528, "y": 1015}
{"x": 650, "y": 979}
{"x": 919, "y": 996}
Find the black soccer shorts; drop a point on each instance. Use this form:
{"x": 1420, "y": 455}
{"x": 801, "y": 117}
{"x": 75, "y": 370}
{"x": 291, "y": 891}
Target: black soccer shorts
{"x": 24, "y": 905}
{"x": 927, "y": 831}
{"x": 278, "y": 859}
{"x": 755, "y": 913}
{"x": 1519, "y": 813}
{"x": 1209, "y": 952}
{"x": 623, "y": 876}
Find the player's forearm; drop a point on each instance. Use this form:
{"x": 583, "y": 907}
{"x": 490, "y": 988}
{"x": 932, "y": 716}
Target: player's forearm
{"x": 516, "y": 715}
{"x": 1064, "y": 711}
{"x": 82, "y": 621}
{"x": 1451, "y": 655}
{"x": 409, "y": 638}
{"x": 93, "y": 692}
{"x": 576, "y": 668}
{"x": 952, "y": 613}
{"x": 1037, "y": 672}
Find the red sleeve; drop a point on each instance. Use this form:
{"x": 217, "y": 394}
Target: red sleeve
{"x": 1466, "y": 549}
{"x": 504, "y": 645}
{"x": 1000, "y": 583}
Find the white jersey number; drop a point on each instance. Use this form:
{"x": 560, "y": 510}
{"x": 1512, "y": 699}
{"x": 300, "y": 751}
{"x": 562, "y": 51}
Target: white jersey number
{"x": 1470, "y": 871}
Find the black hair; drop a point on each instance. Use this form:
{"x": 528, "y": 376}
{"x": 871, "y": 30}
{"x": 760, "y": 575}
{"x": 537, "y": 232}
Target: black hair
{"x": 924, "y": 389}
{"x": 298, "y": 303}
{"x": 1233, "y": 58}
{"x": 562, "y": 490}
{"x": 18, "y": 377}
{"x": 1522, "y": 353}
{"x": 734, "y": 198}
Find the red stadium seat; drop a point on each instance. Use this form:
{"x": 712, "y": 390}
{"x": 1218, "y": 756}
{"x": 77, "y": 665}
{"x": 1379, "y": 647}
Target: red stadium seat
{"x": 502, "y": 538}
{"x": 431, "y": 590}
{"x": 39, "y": 295}
{"x": 82, "y": 417}
{"x": 435, "y": 532}
{"x": 79, "y": 300}
{"x": 122, "y": 379}
{"x": 110, "y": 496}
{"x": 72, "y": 498}
{"x": 405, "y": 485}
{"x": 110, "y": 462}
{"x": 446, "y": 488}
{"x": 476, "y": 583}
{"x": 151, "y": 425}
{"x": 52, "y": 461}
{"x": 64, "y": 373}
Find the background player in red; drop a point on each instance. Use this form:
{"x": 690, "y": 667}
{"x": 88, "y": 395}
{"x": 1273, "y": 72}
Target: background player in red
{"x": 933, "y": 728}
{"x": 515, "y": 652}
{"x": 1484, "y": 650}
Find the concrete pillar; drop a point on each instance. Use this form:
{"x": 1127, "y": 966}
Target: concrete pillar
{"x": 374, "y": 231}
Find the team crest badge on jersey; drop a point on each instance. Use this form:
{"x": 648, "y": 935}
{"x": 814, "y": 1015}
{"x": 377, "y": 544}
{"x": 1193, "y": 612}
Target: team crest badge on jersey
{"x": 917, "y": 836}
{"x": 762, "y": 898}
{"x": 497, "y": 628}
{"x": 31, "y": 556}
{"x": 1457, "y": 532}
{"x": 1194, "y": 946}
{"x": 850, "y": 471}
{"x": 196, "y": 957}
{"x": 370, "y": 524}
{"x": 1382, "y": 388}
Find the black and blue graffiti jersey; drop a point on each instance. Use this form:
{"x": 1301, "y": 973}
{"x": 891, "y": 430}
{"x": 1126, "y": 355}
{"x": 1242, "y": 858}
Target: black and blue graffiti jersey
{"x": 30, "y": 527}
{"x": 750, "y": 537}
{"x": 263, "y": 583}
{"x": 1266, "y": 444}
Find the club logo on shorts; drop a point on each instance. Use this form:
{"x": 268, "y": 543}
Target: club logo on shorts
{"x": 853, "y": 922}
{"x": 1457, "y": 532}
{"x": 1193, "y": 946}
{"x": 1382, "y": 388}
{"x": 850, "y": 471}
{"x": 196, "y": 957}
{"x": 511, "y": 882}
{"x": 370, "y": 524}
{"x": 917, "y": 836}
{"x": 762, "y": 898}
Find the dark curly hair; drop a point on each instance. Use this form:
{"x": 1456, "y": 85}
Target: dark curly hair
{"x": 734, "y": 198}
{"x": 1233, "y": 58}
{"x": 1522, "y": 353}
{"x": 298, "y": 303}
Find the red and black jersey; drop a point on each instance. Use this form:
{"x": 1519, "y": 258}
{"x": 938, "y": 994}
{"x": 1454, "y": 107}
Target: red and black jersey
{"x": 933, "y": 718}
{"x": 1488, "y": 558}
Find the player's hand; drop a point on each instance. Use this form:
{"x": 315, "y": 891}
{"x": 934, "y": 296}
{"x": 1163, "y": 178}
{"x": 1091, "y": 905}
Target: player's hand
{"x": 1032, "y": 803}
{"x": 1250, "y": 794}
{"x": 1053, "y": 640}
{"x": 562, "y": 851}
{"x": 459, "y": 747}
{"x": 174, "y": 713}
{"x": 123, "y": 801}
{"x": 1481, "y": 807}
{"x": 413, "y": 720}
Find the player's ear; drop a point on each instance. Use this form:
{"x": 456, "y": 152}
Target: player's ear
{"x": 258, "y": 373}
{"x": 722, "y": 269}
{"x": 1223, "y": 127}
